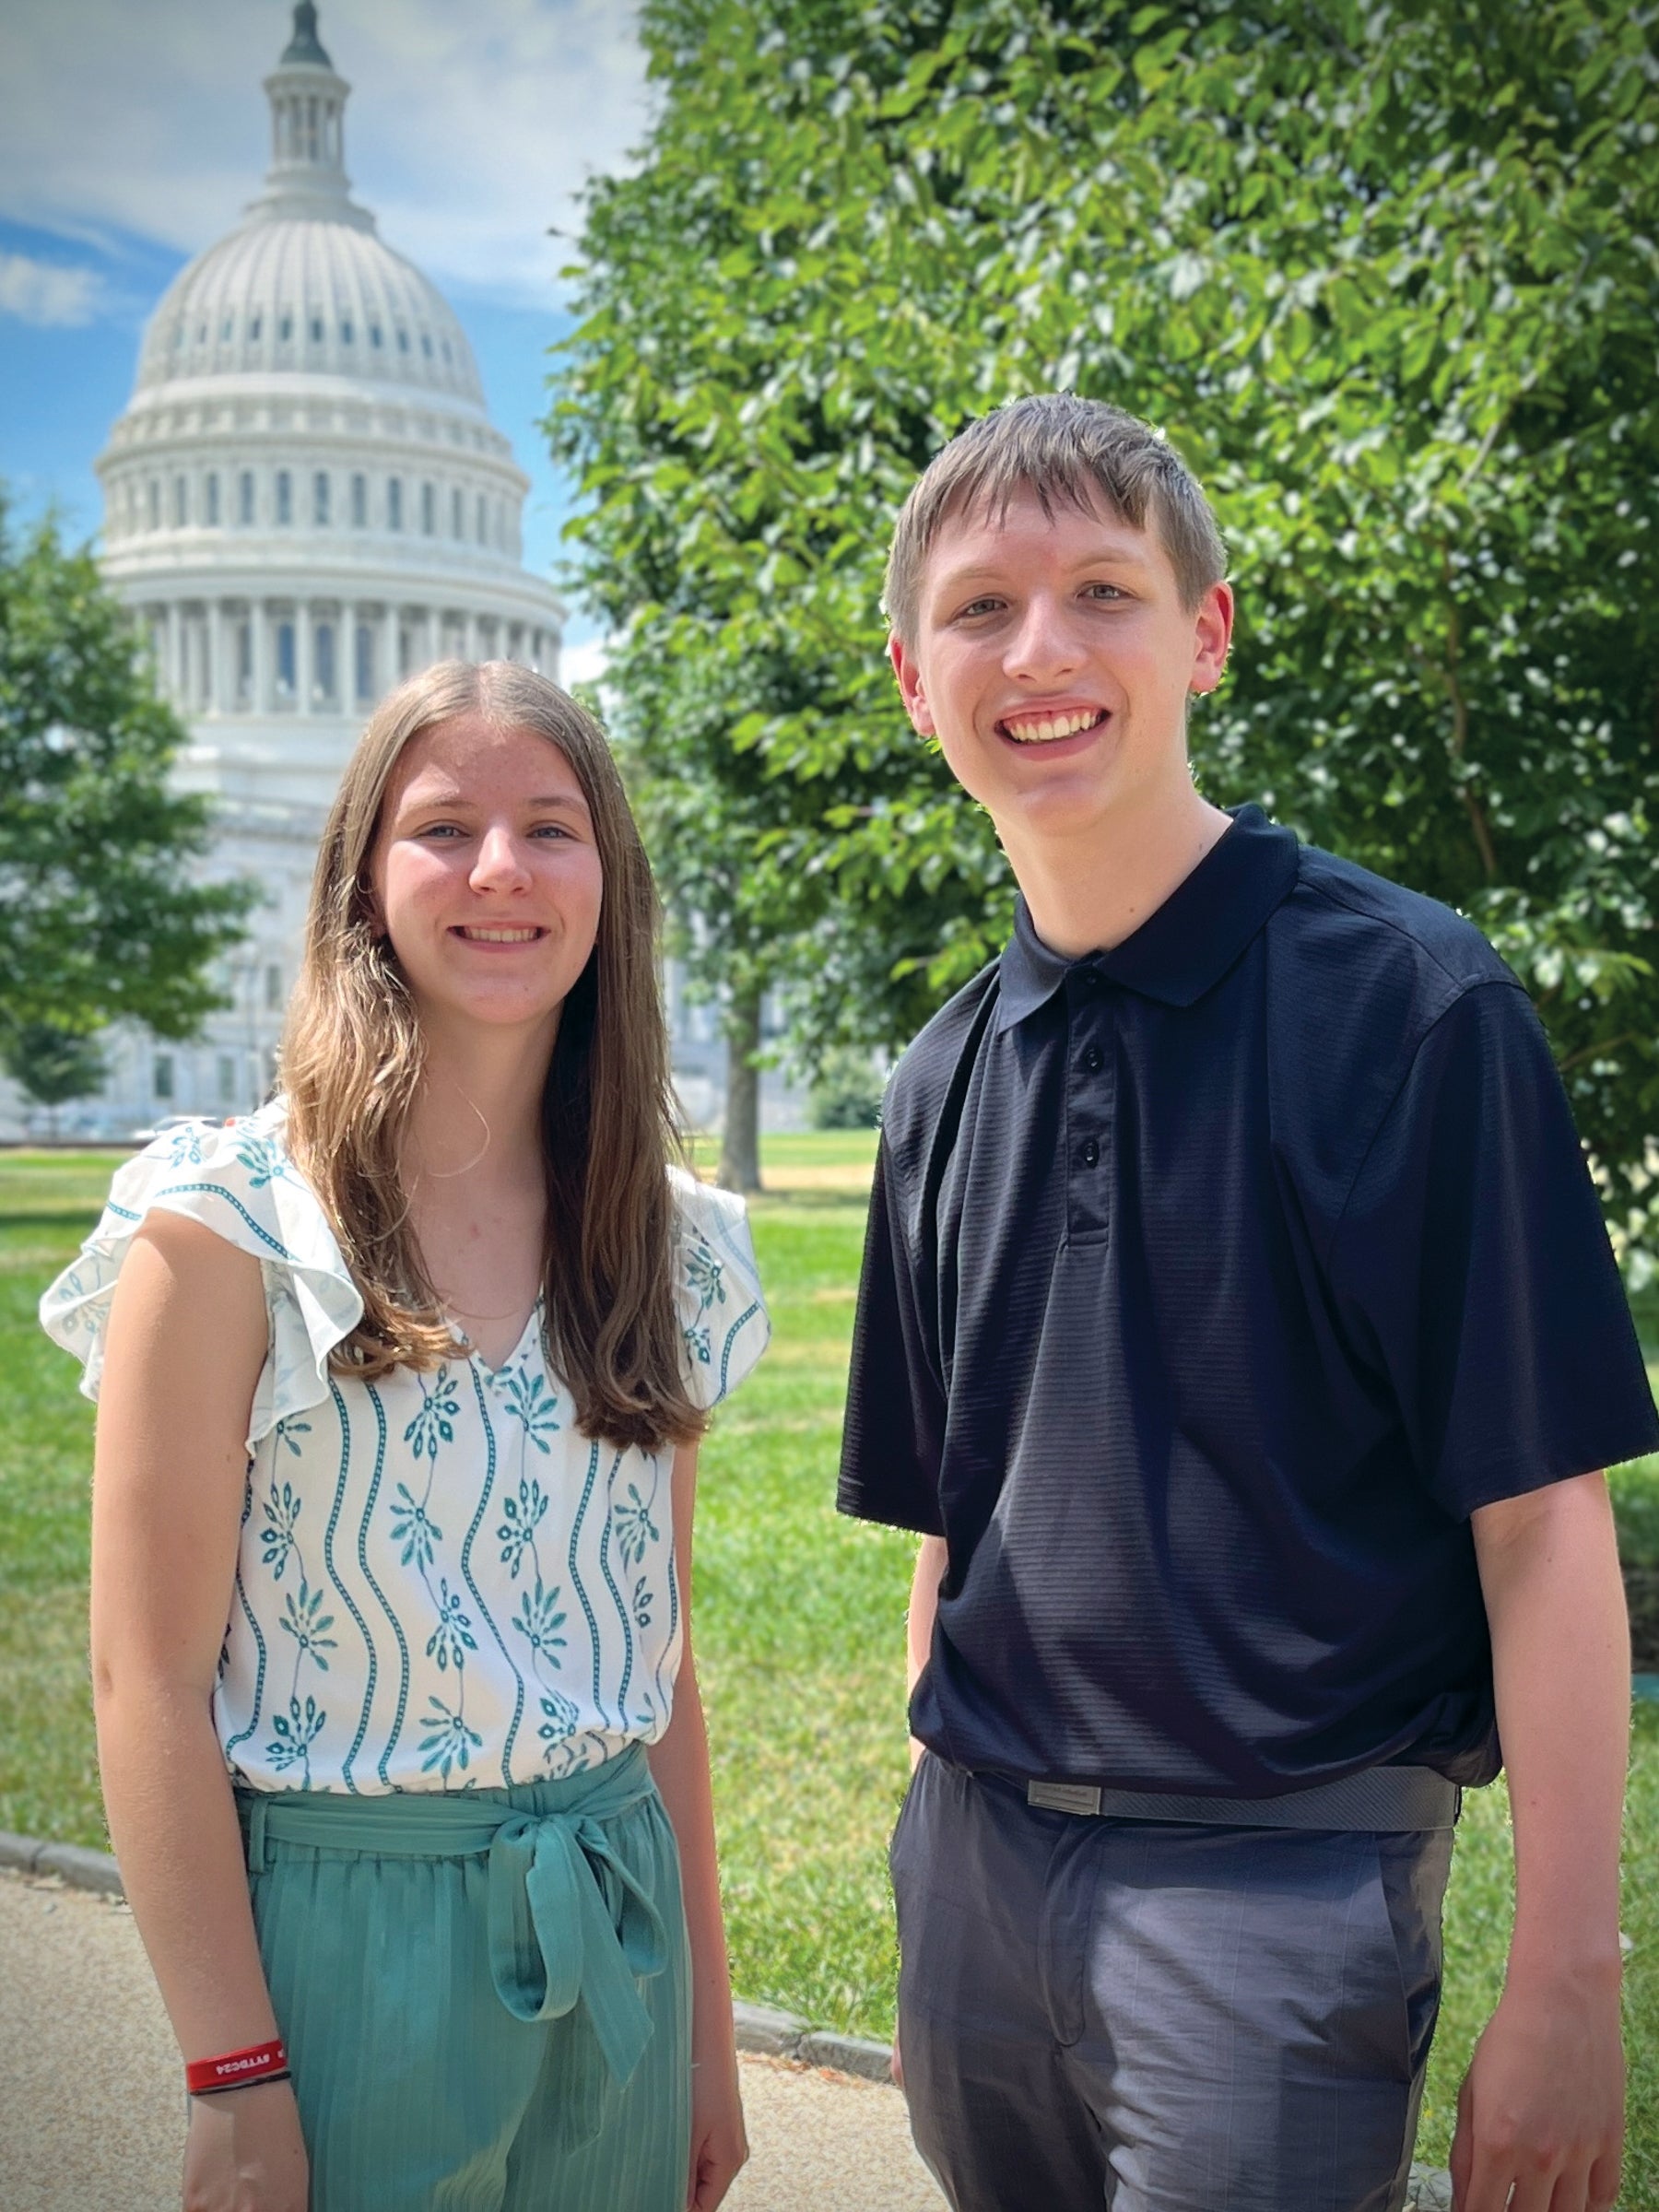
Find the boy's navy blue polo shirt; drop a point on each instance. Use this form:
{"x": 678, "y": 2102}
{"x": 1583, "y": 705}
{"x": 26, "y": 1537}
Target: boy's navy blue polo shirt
{"x": 1211, "y": 1283}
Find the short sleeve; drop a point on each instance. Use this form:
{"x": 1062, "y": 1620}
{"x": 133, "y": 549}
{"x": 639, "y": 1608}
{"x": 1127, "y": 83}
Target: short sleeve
{"x": 240, "y": 1183}
{"x": 1473, "y": 1267}
{"x": 893, "y": 1437}
{"x": 722, "y": 1317}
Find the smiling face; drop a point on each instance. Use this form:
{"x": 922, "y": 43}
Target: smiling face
{"x": 1052, "y": 659}
{"x": 486, "y": 876}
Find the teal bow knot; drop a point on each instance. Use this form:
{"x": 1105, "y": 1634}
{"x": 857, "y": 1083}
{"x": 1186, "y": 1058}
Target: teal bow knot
{"x": 569, "y": 1923}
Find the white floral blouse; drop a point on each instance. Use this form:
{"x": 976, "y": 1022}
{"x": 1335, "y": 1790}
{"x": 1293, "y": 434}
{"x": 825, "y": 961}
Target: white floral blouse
{"x": 442, "y": 1584}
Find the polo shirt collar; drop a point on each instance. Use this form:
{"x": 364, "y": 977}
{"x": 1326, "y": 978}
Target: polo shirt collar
{"x": 1183, "y": 949}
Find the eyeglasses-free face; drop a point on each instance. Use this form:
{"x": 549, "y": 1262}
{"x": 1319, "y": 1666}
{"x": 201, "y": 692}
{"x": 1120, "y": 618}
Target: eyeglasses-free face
{"x": 486, "y": 876}
{"x": 1052, "y": 660}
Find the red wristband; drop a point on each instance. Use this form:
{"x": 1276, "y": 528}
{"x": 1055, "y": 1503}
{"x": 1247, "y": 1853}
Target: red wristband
{"x": 260, "y": 2062}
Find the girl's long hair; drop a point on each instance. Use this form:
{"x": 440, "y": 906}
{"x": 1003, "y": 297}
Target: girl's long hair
{"x": 352, "y": 1056}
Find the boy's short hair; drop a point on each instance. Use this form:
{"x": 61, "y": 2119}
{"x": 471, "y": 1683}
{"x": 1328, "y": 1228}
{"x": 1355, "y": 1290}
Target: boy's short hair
{"x": 1070, "y": 453}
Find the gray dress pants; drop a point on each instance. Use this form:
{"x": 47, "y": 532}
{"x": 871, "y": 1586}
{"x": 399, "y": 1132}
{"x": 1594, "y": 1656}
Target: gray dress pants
{"x": 1160, "y": 2018}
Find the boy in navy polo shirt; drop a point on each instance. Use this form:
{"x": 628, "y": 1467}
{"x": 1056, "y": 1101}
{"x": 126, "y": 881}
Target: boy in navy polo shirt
{"x": 1239, "y": 1329}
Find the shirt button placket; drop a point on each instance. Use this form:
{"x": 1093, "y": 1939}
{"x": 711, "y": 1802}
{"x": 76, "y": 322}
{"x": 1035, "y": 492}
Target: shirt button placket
{"x": 1091, "y": 1084}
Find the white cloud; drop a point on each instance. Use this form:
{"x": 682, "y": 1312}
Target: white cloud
{"x": 584, "y": 664}
{"x": 469, "y": 131}
{"x": 48, "y": 292}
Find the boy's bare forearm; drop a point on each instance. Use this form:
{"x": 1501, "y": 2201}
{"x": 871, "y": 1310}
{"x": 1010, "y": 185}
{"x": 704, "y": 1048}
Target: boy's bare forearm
{"x": 172, "y": 1820}
{"x": 1561, "y": 1673}
{"x": 1541, "y": 2111}
{"x": 931, "y": 1559}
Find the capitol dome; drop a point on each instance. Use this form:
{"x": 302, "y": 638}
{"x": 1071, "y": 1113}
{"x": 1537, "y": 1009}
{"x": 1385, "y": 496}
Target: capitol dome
{"x": 305, "y": 501}
{"x": 311, "y": 293}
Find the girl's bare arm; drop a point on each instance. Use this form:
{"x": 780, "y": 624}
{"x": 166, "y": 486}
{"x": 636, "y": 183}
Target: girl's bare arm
{"x": 680, "y": 1764}
{"x": 186, "y": 1344}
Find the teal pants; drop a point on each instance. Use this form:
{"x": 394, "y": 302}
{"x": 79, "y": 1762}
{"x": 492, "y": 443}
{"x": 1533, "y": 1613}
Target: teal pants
{"x": 485, "y": 1993}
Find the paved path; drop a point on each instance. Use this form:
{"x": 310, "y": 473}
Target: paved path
{"x": 93, "y": 2120}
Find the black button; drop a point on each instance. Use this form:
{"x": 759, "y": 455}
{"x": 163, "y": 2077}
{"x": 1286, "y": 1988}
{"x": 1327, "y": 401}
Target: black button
{"x": 1091, "y": 1152}
{"x": 1093, "y": 1059}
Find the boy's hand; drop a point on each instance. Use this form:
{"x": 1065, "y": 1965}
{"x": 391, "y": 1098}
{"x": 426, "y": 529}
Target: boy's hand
{"x": 1541, "y": 2109}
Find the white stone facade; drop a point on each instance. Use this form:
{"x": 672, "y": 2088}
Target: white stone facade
{"x": 305, "y": 501}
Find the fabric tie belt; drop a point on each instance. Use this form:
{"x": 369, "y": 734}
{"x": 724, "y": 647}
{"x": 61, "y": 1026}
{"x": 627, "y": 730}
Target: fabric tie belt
{"x": 567, "y": 1920}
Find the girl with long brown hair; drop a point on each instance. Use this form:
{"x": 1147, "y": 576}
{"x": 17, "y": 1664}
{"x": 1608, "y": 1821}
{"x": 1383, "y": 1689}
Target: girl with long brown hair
{"x": 400, "y": 1384}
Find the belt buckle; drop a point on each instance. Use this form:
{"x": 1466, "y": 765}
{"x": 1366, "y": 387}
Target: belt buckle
{"x": 1082, "y": 1797}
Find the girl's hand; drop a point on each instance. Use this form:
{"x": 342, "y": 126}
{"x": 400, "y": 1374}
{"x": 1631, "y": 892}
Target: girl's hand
{"x": 244, "y": 2152}
{"x": 719, "y": 2144}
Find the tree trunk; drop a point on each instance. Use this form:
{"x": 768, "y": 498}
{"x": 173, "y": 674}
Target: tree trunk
{"x": 741, "y": 1146}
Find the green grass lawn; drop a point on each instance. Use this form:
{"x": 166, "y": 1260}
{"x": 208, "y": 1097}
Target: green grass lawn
{"x": 800, "y": 1633}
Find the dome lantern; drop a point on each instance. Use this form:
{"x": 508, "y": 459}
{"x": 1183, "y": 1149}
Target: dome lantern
{"x": 307, "y": 176}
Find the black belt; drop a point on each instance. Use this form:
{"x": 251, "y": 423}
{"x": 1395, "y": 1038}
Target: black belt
{"x": 1380, "y": 1797}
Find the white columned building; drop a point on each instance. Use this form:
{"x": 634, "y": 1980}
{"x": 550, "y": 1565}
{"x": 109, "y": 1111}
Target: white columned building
{"x": 305, "y": 501}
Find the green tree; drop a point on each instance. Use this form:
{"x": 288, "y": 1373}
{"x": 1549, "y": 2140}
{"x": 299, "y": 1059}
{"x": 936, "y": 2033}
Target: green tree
{"x": 1386, "y": 276}
{"x": 703, "y": 806}
{"x": 51, "y": 1065}
{"x": 98, "y": 919}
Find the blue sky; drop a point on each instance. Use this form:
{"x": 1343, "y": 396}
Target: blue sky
{"x": 132, "y": 136}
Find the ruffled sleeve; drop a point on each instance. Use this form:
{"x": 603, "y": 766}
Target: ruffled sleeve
{"x": 239, "y": 1182}
{"x": 722, "y": 1317}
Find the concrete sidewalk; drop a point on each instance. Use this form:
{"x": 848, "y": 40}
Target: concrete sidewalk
{"x": 92, "y": 2114}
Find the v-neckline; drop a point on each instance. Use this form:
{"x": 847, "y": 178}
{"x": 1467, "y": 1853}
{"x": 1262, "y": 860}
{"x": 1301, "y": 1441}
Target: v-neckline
{"x": 494, "y": 1373}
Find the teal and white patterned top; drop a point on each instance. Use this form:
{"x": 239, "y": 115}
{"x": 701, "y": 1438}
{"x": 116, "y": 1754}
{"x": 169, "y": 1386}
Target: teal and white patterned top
{"x": 442, "y": 1584}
